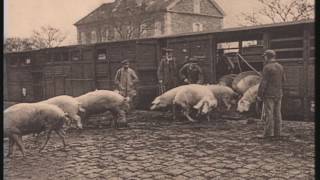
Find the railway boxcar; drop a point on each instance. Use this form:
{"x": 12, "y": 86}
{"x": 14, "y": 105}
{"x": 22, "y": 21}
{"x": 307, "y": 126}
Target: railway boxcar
{"x": 75, "y": 70}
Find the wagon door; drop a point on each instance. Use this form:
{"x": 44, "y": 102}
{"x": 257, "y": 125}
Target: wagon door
{"x": 81, "y": 79}
{"x": 146, "y": 60}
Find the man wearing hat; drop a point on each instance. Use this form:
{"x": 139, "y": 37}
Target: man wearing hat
{"x": 191, "y": 72}
{"x": 126, "y": 79}
{"x": 270, "y": 92}
{"x": 167, "y": 71}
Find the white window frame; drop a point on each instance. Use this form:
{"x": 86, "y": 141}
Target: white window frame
{"x": 196, "y": 6}
{"x": 157, "y": 29}
{"x": 93, "y": 36}
{"x": 197, "y": 27}
{"x": 82, "y": 37}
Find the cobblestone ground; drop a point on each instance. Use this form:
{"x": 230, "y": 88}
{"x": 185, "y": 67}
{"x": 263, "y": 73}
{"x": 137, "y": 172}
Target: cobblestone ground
{"x": 154, "y": 147}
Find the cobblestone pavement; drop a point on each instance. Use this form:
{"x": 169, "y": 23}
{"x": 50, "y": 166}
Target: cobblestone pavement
{"x": 154, "y": 147}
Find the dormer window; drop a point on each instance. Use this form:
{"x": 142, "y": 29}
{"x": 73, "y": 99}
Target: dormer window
{"x": 197, "y": 27}
{"x": 196, "y": 6}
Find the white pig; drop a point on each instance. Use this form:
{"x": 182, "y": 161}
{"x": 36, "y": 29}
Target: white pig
{"x": 100, "y": 101}
{"x": 248, "y": 98}
{"x": 27, "y": 118}
{"x": 69, "y": 105}
{"x": 245, "y": 83}
{"x": 227, "y": 80}
{"x": 225, "y": 95}
{"x": 195, "y": 96}
{"x": 166, "y": 99}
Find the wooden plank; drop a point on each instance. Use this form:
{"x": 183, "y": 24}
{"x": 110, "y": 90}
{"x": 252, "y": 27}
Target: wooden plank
{"x": 288, "y": 49}
{"x": 211, "y": 59}
{"x": 79, "y": 79}
{"x": 213, "y": 66}
{"x": 306, "y": 55}
{"x": 290, "y": 59}
{"x": 286, "y": 39}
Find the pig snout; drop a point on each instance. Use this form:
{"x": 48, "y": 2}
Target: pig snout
{"x": 242, "y": 106}
{"x": 153, "y": 107}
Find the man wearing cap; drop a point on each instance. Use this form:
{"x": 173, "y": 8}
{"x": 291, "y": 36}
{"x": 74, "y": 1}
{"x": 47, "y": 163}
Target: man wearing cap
{"x": 191, "y": 72}
{"x": 167, "y": 70}
{"x": 126, "y": 80}
{"x": 270, "y": 92}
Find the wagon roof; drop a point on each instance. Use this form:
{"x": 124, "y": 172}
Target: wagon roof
{"x": 247, "y": 28}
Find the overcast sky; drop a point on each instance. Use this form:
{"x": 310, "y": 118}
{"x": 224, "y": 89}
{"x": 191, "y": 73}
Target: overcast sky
{"x": 23, "y": 16}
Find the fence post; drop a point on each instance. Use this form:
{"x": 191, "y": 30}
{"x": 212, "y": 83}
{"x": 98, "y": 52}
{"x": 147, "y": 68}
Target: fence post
{"x": 213, "y": 59}
{"x": 306, "y": 56}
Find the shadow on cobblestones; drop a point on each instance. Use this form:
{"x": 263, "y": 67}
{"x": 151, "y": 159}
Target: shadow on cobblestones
{"x": 155, "y": 147}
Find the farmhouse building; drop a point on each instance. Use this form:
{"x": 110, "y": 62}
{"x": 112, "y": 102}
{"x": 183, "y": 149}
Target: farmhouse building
{"x": 173, "y": 17}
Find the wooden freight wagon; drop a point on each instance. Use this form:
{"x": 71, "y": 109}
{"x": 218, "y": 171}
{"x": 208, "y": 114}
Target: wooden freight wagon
{"x": 75, "y": 70}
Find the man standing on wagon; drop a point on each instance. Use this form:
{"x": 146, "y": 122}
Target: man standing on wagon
{"x": 167, "y": 71}
{"x": 126, "y": 80}
{"x": 270, "y": 92}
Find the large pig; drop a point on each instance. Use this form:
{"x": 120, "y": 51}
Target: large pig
{"x": 166, "y": 99}
{"x": 100, "y": 101}
{"x": 69, "y": 105}
{"x": 225, "y": 95}
{"x": 195, "y": 96}
{"x": 248, "y": 98}
{"x": 245, "y": 83}
{"x": 227, "y": 80}
{"x": 27, "y": 118}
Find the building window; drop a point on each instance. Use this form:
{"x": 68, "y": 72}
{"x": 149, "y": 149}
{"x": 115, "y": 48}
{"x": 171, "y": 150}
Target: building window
{"x": 196, "y": 6}
{"x": 197, "y": 27}
{"x": 93, "y": 36}
{"x": 157, "y": 29}
{"x": 104, "y": 35}
{"x": 82, "y": 37}
{"x": 110, "y": 34}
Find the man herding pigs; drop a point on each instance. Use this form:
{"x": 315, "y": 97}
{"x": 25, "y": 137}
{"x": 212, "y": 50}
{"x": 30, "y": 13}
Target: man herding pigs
{"x": 270, "y": 92}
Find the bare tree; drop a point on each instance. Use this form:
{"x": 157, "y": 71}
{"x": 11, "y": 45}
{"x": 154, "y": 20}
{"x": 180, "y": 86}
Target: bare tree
{"x": 131, "y": 20}
{"x": 274, "y": 11}
{"x": 16, "y": 44}
{"x": 47, "y": 37}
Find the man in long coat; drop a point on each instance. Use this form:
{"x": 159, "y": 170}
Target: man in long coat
{"x": 126, "y": 79}
{"x": 167, "y": 71}
{"x": 270, "y": 92}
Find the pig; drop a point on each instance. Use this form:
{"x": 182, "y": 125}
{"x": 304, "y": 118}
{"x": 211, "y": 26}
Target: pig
{"x": 227, "y": 80}
{"x": 198, "y": 97}
{"x": 248, "y": 98}
{"x": 245, "y": 83}
{"x": 100, "y": 101}
{"x": 166, "y": 99}
{"x": 69, "y": 105}
{"x": 27, "y": 118}
{"x": 225, "y": 95}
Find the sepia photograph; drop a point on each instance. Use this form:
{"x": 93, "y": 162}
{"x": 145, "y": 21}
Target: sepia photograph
{"x": 159, "y": 89}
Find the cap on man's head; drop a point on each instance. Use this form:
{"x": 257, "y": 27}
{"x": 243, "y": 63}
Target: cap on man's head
{"x": 269, "y": 53}
{"x": 126, "y": 61}
{"x": 167, "y": 50}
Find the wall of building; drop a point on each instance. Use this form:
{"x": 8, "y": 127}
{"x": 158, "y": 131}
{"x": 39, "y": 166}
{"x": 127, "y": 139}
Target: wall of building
{"x": 206, "y": 7}
{"x": 184, "y": 23}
